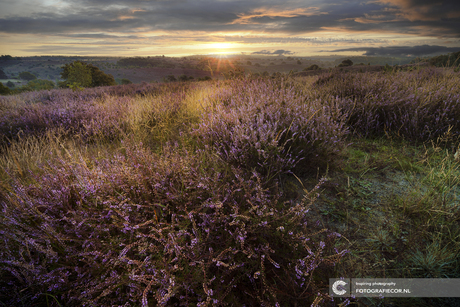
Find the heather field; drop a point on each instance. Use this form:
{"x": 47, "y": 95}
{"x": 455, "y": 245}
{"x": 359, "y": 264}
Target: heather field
{"x": 238, "y": 192}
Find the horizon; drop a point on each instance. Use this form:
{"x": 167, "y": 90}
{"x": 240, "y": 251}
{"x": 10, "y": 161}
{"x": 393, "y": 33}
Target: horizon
{"x": 178, "y": 28}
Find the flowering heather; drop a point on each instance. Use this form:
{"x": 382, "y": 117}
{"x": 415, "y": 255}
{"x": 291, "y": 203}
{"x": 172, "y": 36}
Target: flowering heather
{"x": 137, "y": 228}
{"x": 268, "y": 126}
{"x": 418, "y": 105}
{"x": 91, "y": 113}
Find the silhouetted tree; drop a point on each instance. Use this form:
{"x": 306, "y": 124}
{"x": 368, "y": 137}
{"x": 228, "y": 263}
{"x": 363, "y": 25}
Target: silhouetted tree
{"x": 346, "y": 63}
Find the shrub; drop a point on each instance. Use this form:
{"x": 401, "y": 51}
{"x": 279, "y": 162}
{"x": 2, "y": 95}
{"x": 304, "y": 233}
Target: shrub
{"x": 99, "y": 78}
{"x": 269, "y": 127}
{"x": 312, "y": 67}
{"x": 27, "y": 76}
{"x": 126, "y": 81}
{"x": 183, "y": 78}
{"x": 346, "y": 63}
{"x": 418, "y": 106}
{"x": 205, "y": 78}
{"x": 4, "y": 90}
{"x": 3, "y": 75}
{"x": 80, "y": 112}
{"x": 137, "y": 228}
{"x": 39, "y": 84}
{"x": 170, "y": 78}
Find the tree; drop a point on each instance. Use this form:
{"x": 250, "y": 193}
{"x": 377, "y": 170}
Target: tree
{"x": 312, "y": 67}
{"x": 85, "y": 75}
{"x": 76, "y": 74}
{"x": 25, "y": 75}
{"x": 4, "y": 90}
{"x": 10, "y": 84}
{"x": 346, "y": 63}
{"x": 100, "y": 78}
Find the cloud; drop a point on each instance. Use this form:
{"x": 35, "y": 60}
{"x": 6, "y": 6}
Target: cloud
{"x": 293, "y": 17}
{"x": 425, "y": 10}
{"x": 273, "y": 13}
{"x": 308, "y": 22}
{"x": 276, "y": 52}
{"x": 402, "y": 51}
{"x": 102, "y": 36}
{"x": 299, "y": 40}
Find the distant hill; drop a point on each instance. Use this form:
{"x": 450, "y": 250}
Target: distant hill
{"x": 444, "y": 60}
{"x": 374, "y": 60}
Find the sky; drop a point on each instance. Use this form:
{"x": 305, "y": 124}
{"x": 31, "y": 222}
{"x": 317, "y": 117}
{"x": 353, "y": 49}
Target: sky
{"x": 258, "y": 27}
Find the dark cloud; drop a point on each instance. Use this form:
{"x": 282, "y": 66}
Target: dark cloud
{"x": 435, "y": 18}
{"x": 401, "y": 51}
{"x": 276, "y": 52}
{"x": 425, "y": 10}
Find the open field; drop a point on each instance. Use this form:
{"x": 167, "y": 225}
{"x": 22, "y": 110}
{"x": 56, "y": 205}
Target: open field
{"x": 245, "y": 191}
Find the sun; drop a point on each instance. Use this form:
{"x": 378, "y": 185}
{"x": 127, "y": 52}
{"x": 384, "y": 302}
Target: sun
{"x": 220, "y": 45}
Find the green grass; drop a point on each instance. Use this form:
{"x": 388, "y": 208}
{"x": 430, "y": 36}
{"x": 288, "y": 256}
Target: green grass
{"x": 397, "y": 207}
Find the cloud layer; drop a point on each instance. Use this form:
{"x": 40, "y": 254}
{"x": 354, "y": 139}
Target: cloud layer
{"x": 141, "y": 22}
{"x": 402, "y": 50}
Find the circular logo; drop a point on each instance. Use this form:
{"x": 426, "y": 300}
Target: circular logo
{"x": 336, "y": 285}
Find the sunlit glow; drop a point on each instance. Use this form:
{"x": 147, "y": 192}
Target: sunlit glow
{"x": 219, "y": 45}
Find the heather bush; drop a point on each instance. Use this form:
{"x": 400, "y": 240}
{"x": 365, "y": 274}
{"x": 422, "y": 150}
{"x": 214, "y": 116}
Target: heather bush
{"x": 268, "y": 126}
{"x": 418, "y": 106}
{"x": 91, "y": 114}
{"x": 64, "y": 95}
{"x": 137, "y": 228}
